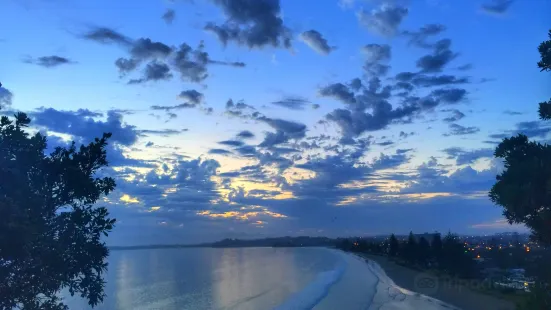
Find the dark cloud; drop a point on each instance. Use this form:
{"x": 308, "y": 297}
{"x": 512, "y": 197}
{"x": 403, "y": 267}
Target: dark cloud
{"x": 509, "y": 112}
{"x": 458, "y": 130}
{"x": 106, "y": 36}
{"x": 246, "y": 150}
{"x": 449, "y": 95}
{"x": 49, "y": 61}
{"x": 383, "y": 20}
{"x": 161, "y": 132}
{"x": 274, "y": 138}
{"x": 245, "y": 134}
{"x": 154, "y": 71}
{"x": 82, "y": 125}
{"x": 338, "y": 91}
{"x": 237, "y": 64}
{"x": 192, "y": 96}
{"x": 497, "y": 6}
{"x": 240, "y": 109}
{"x": 169, "y": 16}
{"x": 465, "y": 67}
{"x": 251, "y": 23}
{"x": 126, "y": 65}
{"x": 377, "y": 56}
{"x": 441, "y": 56}
{"x": 317, "y": 42}
{"x": 293, "y": 103}
{"x": 168, "y": 108}
{"x": 455, "y": 116}
{"x": 219, "y": 152}
{"x": 235, "y": 143}
{"x": 463, "y": 157}
{"x": 292, "y": 130}
{"x": 533, "y": 129}
{"x": 389, "y": 161}
{"x": 144, "y": 49}
{"x": 419, "y": 38}
{"x": 191, "y": 64}
{"x": 422, "y": 80}
{"x": 404, "y": 135}
{"x": 385, "y": 143}
{"x": 6, "y": 97}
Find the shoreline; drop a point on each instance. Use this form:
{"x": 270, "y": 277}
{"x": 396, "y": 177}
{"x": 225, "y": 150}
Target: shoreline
{"x": 422, "y": 283}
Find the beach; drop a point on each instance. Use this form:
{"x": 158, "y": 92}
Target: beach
{"x": 457, "y": 295}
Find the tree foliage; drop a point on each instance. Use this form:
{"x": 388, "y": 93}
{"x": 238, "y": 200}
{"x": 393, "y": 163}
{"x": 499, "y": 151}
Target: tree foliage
{"x": 393, "y": 246}
{"x": 524, "y": 187}
{"x": 50, "y": 230}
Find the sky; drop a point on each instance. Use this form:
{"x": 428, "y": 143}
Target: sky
{"x": 251, "y": 119}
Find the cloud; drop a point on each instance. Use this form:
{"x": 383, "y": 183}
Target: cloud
{"x": 441, "y": 56}
{"x": 251, "y": 23}
{"x": 191, "y": 64}
{"x": 458, "y": 130}
{"x": 383, "y": 20}
{"x": 291, "y": 129}
{"x": 422, "y": 80}
{"x": 317, "y": 42}
{"x": 389, "y": 161}
{"x": 245, "y": 134}
{"x": 293, "y": 103}
{"x": 219, "y": 152}
{"x": 161, "y": 132}
{"x": 377, "y": 57}
{"x": 169, "y": 16}
{"x": 463, "y": 157}
{"x": 455, "y": 116}
{"x": 168, "y": 108}
{"x": 509, "y": 112}
{"x": 234, "y": 143}
{"x": 497, "y": 6}
{"x": 126, "y": 65}
{"x": 419, "y": 38}
{"x": 6, "y": 97}
{"x": 81, "y": 124}
{"x": 191, "y": 95}
{"x": 449, "y": 95}
{"x": 49, "y": 61}
{"x": 154, "y": 71}
{"x": 105, "y": 35}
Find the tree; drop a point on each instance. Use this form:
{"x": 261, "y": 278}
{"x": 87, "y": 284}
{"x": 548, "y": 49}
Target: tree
{"x": 423, "y": 251}
{"x": 545, "y": 53}
{"x": 393, "y": 246}
{"x": 411, "y": 249}
{"x": 50, "y": 230}
{"x": 523, "y": 189}
{"x": 436, "y": 248}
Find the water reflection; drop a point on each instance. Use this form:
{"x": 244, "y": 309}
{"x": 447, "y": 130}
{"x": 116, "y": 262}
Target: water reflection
{"x": 249, "y": 278}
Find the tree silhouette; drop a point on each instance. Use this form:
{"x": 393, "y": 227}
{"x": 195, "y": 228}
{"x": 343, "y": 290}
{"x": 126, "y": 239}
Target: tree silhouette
{"x": 436, "y": 248}
{"x": 524, "y": 187}
{"x": 423, "y": 251}
{"x": 50, "y": 229}
{"x": 411, "y": 249}
{"x": 393, "y": 246}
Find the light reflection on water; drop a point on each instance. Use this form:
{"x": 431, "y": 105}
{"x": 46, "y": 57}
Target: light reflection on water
{"x": 204, "y": 278}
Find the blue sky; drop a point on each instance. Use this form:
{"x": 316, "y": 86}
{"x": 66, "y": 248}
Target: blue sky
{"x": 346, "y": 117}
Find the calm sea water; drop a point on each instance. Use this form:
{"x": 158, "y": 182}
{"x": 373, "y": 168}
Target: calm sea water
{"x": 205, "y": 278}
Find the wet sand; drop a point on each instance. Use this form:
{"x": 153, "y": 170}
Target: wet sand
{"x": 457, "y": 295}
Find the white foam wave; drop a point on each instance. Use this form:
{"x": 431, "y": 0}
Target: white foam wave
{"x": 315, "y": 291}
{"x": 389, "y": 296}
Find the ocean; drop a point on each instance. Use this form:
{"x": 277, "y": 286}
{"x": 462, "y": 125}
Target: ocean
{"x": 249, "y": 278}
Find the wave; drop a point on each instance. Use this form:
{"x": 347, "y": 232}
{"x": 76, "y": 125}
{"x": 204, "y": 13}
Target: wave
{"x": 389, "y": 296}
{"x": 315, "y": 291}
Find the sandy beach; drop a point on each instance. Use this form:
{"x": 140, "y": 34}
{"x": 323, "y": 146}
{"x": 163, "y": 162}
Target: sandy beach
{"x": 456, "y": 295}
